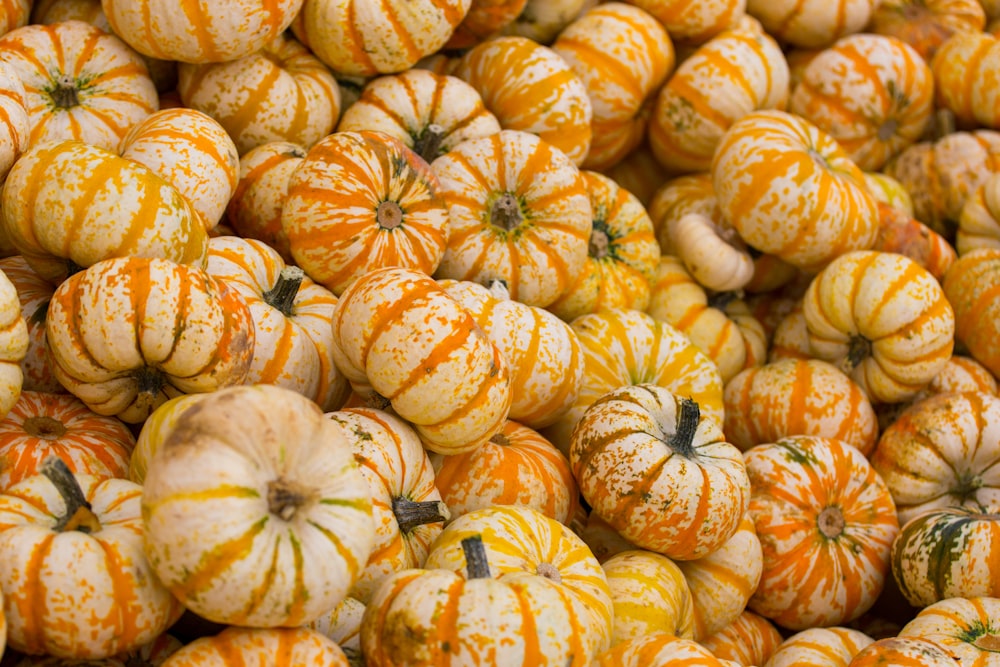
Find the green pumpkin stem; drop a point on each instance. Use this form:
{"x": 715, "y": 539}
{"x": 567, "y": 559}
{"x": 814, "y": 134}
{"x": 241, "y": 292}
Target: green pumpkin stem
{"x": 428, "y": 145}
{"x": 78, "y": 515}
{"x": 476, "y": 564}
{"x": 688, "y": 418}
{"x": 412, "y": 513}
{"x": 282, "y": 295}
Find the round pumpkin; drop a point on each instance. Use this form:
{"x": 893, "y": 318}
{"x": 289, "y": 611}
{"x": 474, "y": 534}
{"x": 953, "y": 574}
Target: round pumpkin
{"x": 649, "y": 594}
{"x": 15, "y": 124}
{"x": 965, "y": 76}
{"x": 971, "y": 290}
{"x": 831, "y": 647}
{"x": 926, "y": 24}
{"x": 257, "y": 647}
{"x": 658, "y": 649}
{"x": 749, "y": 640}
{"x": 13, "y": 345}
{"x": 965, "y": 628}
{"x": 812, "y": 23}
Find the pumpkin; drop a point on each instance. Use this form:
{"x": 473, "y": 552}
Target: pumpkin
{"x": 360, "y": 201}
{"x": 281, "y": 482}
{"x": 75, "y": 580}
{"x": 430, "y": 113}
{"x": 639, "y": 173}
{"x": 979, "y": 220}
{"x": 42, "y": 425}
{"x": 524, "y": 541}
{"x": 680, "y": 196}
{"x": 903, "y": 652}
{"x": 15, "y": 124}
{"x": 543, "y": 20}
{"x": 733, "y": 74}
{"x": 518, "y": 211}
{"x": 291, "y": 317}
{"x": 596, "y": 45}
{"x": 901, "y": 233}
{"x": 969, "y": 286}
{"x": 965, "y": 628}
{"x": 278, "y": 92}
{"x": 714, "y": 254}
{"x": 80, "y": 82}
{"x": 14, "y": 14}
{"x": 694, "y": 21}
{"x": 871, "y": 93}
{"x": 749, "y": 640}
{"x": 603, "y": 540}
{"x": 154, "y": 431}
{"x": 530, "y": 88}
{"x": 13, "y": 345}
{"x": 649, "y": 594}
{"x": 397, "y": 333}
{"x": 260, "y": 647}
{"x": 926, "y": 24}
{"x": 517, "y": 466}
{"x": 343, "y": 625}
{"x": 764, "y": 171}
{"x": 826, "y": 522}
{"x": 833, "y": 647}
{"x": 964, "y": 78}
{"x": 887, "y": 190}
{"x": 812, "y": 23}
{"x": 940, "y": 452}
{"x": 484, "y": 20}
{"x": 192, "y": 152}
{"x": 658, "y": 649}
{"x": 797, "y": 397}
{"x": 67, "y": 205}
{"x": 127, "y": 334}
{"x": 659, "y": 471}
{"x": 254, "y": 210}
{"x": 424, "y": 618}
{"x": 365, "y": 38}
{"x": 196, "y": 31}
{"x": 883, "y": 319}
{"x": 406, "y": 506}
{"x": 34, "y": 294}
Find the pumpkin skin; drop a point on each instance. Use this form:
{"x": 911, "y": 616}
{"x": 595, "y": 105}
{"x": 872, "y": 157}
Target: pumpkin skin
{"x": 926, "y": 24}
{"x": 196, "y": 31}
{"x": 979, "y": 221}
{"x": 940, "y": 453}
{"x": 970, "y": 288}
{"x": 360, "y": 201}
{"x": 901, "y": 233}
{"x": 693, "y": 21}
{"x": 649, "y": 594}
{"x": 127, "y": 334}
{"x": 826, "y": 523}
{"x": 283, "y": 483}
{"x": 15, "y": 124}
{"x": 430, "y": 113}
{"x": 392, "y": 324}
{"x": 963, "y": 627}
{"x": 765, "y": 150}
{"x": 677, "y": 488}
{"x": 965, "y": 80}
{"x": 735, "y": 73}
{"x": 518, "y": 212}
{"x": 543, "y": 20}
{"x": 903, "y": 652}
{"x": 883, "y": 319}
{"x": 834, "y": 646}
{"x": 484, "y": 20}
{"x": 191, "y": 151}
{"x": 887, "y": 190}
{"x": 515, "y": 467}
{"x": 343, "y": 625}
{"x": 811, "y": 24}
{"x": 260, "y": 647}
{"x": 14, "y": 14}
{"x": 291, "y": 316}
{"x": 595, "y": 45}
{"x": 80, "y": 82}
{"x": 13, "y": 345}
{"x": 40, "y": 425}
{"x": 279, "y": 92}
{"x": 34, "y": 293}
{"x": 364, "y": 38}
{"x": 658, "y": 649}
{"x": 99, "y": 595}
{"x": 68, "y": 205}
{"x": 530, "y": 88}
{"x": 154, "y": 431}
{"x": 749, "y": 640}
{"x": 871, "y": 93}
{"x": 797, "y": 397}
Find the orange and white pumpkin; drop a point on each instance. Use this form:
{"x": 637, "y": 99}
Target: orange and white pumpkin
{"x": 13, "y": 345}
{"x": 812, "y": 23}
{"x": 649, "y": 594}
{"x": 34, "y": 293}
{"x": 275, "y": 647}
{"x": 965, "y": 78}
{"x": 15, "y": 123}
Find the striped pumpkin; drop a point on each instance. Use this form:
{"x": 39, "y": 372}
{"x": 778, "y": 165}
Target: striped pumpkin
{"x": 887, "y": 190}
{"x": 658, "y": 649}
{"x": 163, "y": 329}
{"x": 154, "y": 431}
{"x": 530, "y": 88}
{"x": 384, "y": 341}
{"x": 970, "y": 286}
{"x": 199, "y": 31}
{"x": 596, "y": 45}
{"x": 694, "y": 21}
{"x": 883, "y": 319}
{"x": 749, "y": 640}
{"x": 67, "y": 205}
{"x": 826, "y": 522}
{"x": 680, "y": 196}
{"x": 797, "y": 397}
{"x": 926, "y": 24}
{"x": 280, "y": 92}
{"x": 15, "y": 124}
{"x": 280, "y": 481}
{"x": 14, "y": 14}
{"x": 192, "y": 152}
{"x": 430, "y": 113}
{"x": 361, "y": 201}
{"x": 903, "y": 652}
{"x": 80, "y": 82}
{"x": 979, "y": 221}
{"x": 343, "y": 625}
{"x": 42, "y": 425}
{"x": 965, "y": 79}
{"x": 649, "y": 594}
{"x": 518, "y": 212}
{"x": 485, "y": 19}
{"x": 873, "y": 94}
{"x": 812, "y": 24}
{"x": 733, "y": 74}
{"x": 901, "y": 233}
{"x": 766, "y": 168}
{"x": 34, "y": 293}
{"x": 13, "y": 345}
{"x": 965, "y": 628}
{"x": 830, "y": 647}
{"x": 275, "y": 647}
{"x": 659, "y": 471}
{"x": 543, "y": 20}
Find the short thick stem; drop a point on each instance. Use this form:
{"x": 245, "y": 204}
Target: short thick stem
{"x": 720, "y": 300}
{"x": 688, "y": 418}
{"x": 149, "y": 384}
{"x": 831, "y": 522}
{"x": 988, "y": 642}
{"x": 549, "y": 571}
{"x": 476, "y": 564}
{"x": 500, "y": 439}
{"x": 389, "y": 215}
{"x": 285, "y": 498}
{"x": 600, "y": 244}
{"x": 78, "y": 514}
{"x": 65, "y": 94}
{"x": 859, "y": 350}
{"x": 506, "y": 212}
{"x": 413, "y": 513}
{"x": 282, "y": 295}
{"x": 45, "y": 427}
{"x": 428, "y": 145}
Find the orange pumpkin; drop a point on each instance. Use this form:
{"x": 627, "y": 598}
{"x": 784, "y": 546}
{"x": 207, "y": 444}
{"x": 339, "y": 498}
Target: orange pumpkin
{"x": 658, "y": 649}
{"x": 484, "y": 20}
{"x": 965, "y": 78}
{"x": 34, "y": 293}
{"x": 903, "y": 652}
{"x": 901, "y": 233}
{"x": 979, "y": 221}
{"x": 695, "y": 21}
{"x": 831, "y": 647}
{"x": 275, "y": 647}
{"x": 749, "y": 640}
{"x": 926, "y": 24}
{"x": 965, "y": 628}
{"x": 15, "y": 124}
{"x": 649, "y": 594}
{"x": 971, "y": 288}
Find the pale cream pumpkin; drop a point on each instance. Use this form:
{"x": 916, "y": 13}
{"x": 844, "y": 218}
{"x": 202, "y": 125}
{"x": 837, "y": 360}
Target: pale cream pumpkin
{"x": 812, "y": 23}
{"x": 831, "y": 647}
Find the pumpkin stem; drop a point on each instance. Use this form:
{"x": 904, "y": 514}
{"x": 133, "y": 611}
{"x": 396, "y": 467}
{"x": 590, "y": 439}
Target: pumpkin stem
{"x": 720, "y": 300}
{"x": 500, "y": 439}
{"x": 79, "y": 515}
{"x": 859, "y": 350}
{"x": 943, "y": 124}
{"x": 506, "y": 212}
{"x": 831, "y": 522}
{"x": 285, "y": 498}
{"x": 412, "y": 513}
{"x": 498, "y": 289}
{"x": 355, "y": 658}
{"x": 476, "y": 564}
{"x": 688, "y": 418}
{"x": 65, "y": 94}
{"x": 282, "y": 295}
{"x": 988, "y": 642}
{"x": 600, "y": 244}
{"x": 428, "y": 144}
{"x": 377, "y": 401}
{"x": 549, "y": 571}
{"x": 150, "y": 382}
{"x": 887, "y": 129}
{"x": 45, "y": 427}
{"x": 389, "y": 215}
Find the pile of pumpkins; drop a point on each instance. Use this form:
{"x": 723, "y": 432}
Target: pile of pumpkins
{"x": 417, "y": 333}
